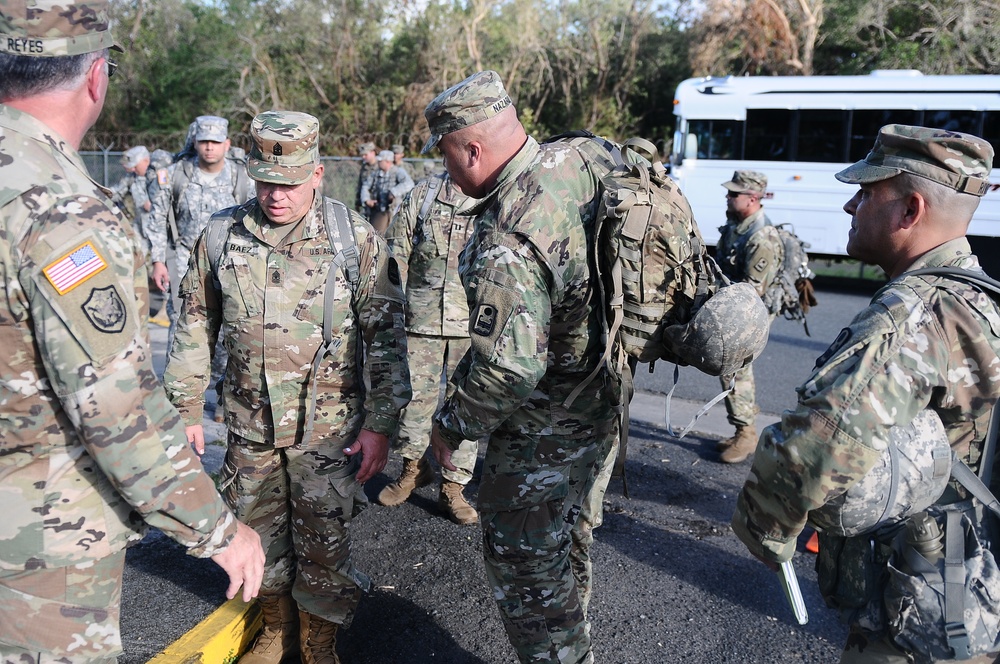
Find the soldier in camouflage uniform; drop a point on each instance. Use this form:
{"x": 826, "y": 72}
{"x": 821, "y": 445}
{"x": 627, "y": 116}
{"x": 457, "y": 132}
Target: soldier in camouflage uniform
{"x": 298, "y": 411}
{"x": 426, "y": 236}
{"x": 130, "y": 193}
{"x": 384, "y": 189}
{"x": 398, "y": 153}
{"x": 535, "y": 336}
{"x": 749, "y": 249}
{"x": 924, "y": 342}
{"x": 90, "y": 449}
{"x": 199, "y": 186}
{"x": 367, "y": 152}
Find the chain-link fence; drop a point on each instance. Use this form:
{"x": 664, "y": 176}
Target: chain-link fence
{"x": 340, "y": 179}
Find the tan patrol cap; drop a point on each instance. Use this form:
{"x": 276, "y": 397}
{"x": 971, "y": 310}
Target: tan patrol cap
{"x": 960, "y": 161}
{"x": 285, "y": 147}
{"x": 53, "y": 28}
{"x": 747, "y": 182}
{"x": 477, "y": 98}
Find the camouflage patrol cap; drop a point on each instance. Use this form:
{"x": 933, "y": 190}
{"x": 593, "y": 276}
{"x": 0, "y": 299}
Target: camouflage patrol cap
{"x": 134, "y": 155}
{"x": 747, "y": 182}
{"x": 51, "y": 28}
{"x": 959, "y": 161}
{"x": 211, "y": 128}
{"x": 397, "y": 148}
{"x": 477, "y": 98}
{"x": 385, "y": 155}
{"x": 285, "y": 147}
{"x": 365, "y": 148}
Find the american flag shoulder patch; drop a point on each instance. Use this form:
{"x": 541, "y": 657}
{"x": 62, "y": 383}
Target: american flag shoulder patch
{"x": 74, "y": 268}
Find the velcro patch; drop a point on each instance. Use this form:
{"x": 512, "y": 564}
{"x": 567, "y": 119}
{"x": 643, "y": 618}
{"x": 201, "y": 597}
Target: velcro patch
{"x": 105, "y": 310}
{"x": 485, "y": 320}
{"x": 761, "y": 265}
{"x": 74, "y": 268}
{"x": 162, "y": 177}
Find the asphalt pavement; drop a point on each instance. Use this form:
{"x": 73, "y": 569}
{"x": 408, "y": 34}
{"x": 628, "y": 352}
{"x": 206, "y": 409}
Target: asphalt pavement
{"x": 671, "y": 581}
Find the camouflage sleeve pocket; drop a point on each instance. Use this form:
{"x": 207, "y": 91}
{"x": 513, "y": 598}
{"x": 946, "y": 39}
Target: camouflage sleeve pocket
{"x": 490, "y": 317}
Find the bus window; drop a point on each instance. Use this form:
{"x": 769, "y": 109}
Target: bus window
{"x": 716, "y": 139}
{"x": 821, "y": 136}
{"x": 768, "y": 135}
{"x": 991, "y": 128}
{"x": 865, "y": 126}
{"x": 964, "y": 121}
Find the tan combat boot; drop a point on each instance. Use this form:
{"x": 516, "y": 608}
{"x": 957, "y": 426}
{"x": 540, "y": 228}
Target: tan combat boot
{"x": 280, "y": 639}
{"x": 740, "y": 446}
{"x": 455, "y": 505}
{"x": 415, "y": 474}
{"x": 318, "y": 639}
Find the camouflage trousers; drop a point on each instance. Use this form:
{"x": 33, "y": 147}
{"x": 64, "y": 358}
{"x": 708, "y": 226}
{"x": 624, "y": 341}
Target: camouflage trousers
{"x": 220, "y": 358}
{"x": 537, "y": 552}
{"x": 741, "y": 403}
{"x": 62, "y": 615}
{"x": 301, "y": 503}
{"x": 427, "y": 357}
{"x": 861, "y": 650}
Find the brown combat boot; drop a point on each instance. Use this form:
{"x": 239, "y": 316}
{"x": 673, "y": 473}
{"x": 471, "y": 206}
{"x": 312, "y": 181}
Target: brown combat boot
{"x": 415, "y": 474}
{"x": 318, "y": 639}
{"x": 454, "y": 504}
{"x": 740, "y": 446}
{"x": 280, "y": 639}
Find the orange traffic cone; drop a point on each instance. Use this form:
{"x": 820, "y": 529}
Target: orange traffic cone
{"x": 812, "y": 546}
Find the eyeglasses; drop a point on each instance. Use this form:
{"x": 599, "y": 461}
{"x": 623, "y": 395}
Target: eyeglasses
{"x": 734, "y": 194}
{"x": 112, "y": 67}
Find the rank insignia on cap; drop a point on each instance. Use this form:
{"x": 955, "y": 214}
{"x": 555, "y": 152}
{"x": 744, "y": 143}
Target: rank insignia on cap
{"x": 74, "y": 268}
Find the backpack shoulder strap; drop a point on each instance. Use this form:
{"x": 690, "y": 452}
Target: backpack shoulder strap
{"x": 434, "y": 184}
{"x": 241, "y": 180}
{"x": 216, "y": 235}
{"x": 337, "y": 221}
{"x": 180, "y": 178}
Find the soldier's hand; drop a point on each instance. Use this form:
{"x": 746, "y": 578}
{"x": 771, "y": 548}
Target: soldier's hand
{"x": 371, "y": 202}
{"x": 147, "y": 206}
{"x": 374, "y": 448}
{"x": 441, "y": 450}
{"x": 243, "y": 561}
{"x": 196, "y": 436}
{"x": 161, "y": 276}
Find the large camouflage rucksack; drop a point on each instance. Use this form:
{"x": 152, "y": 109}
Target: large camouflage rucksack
{"x": 783, "y": 295}
{"x": 664, "y": 297}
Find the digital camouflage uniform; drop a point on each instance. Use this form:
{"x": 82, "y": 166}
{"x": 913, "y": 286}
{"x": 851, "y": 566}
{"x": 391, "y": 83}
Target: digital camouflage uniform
{"x": 755, "y": 259}
{"x": 299, "y": 494}
{"x": 534, "y": 324}
{"x": 387, "y": 188}
{"x": 437, "y": 313}
{"x": 363, "y": 174}
{"x": 194, "y": 196}
{"x": 130, "y": 194}
{"x": 923, "y": 342}
{"x": 90, "y": 448}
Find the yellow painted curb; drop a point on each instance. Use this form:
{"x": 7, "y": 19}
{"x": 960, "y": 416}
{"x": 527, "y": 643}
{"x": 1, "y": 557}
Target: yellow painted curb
{"x": 218, "y": 639}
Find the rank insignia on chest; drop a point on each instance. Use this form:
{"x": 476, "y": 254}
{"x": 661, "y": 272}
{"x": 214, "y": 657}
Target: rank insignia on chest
{"x": 74, "y": 268}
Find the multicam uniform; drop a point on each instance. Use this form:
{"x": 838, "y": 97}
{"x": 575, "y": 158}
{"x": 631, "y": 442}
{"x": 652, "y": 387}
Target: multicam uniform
{"x": 271, "y": 304}
{"x": 534, "y": 338}
{"x": 437, "y": 313}
{"x": 751, "y": 252}
{"x": 924, "y": 342}
{"x": 89, "y": 446}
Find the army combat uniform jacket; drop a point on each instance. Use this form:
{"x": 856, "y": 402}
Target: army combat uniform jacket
{"x": 924, "y": 342}
{"x": 428, "y": 251}
{"x": 750, "y": 251}
{"x": 89, "y": 445}
{"x": 271, "y": 298}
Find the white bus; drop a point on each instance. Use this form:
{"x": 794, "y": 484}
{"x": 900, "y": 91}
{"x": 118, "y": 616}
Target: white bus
{"x": 800, "y": 130}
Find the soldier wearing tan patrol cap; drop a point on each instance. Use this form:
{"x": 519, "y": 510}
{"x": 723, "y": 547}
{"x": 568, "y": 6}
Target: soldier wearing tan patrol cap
{"x": 88, "y": 441}
{"x": 926, "y": 342}
{"x": 303, "y": 289}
